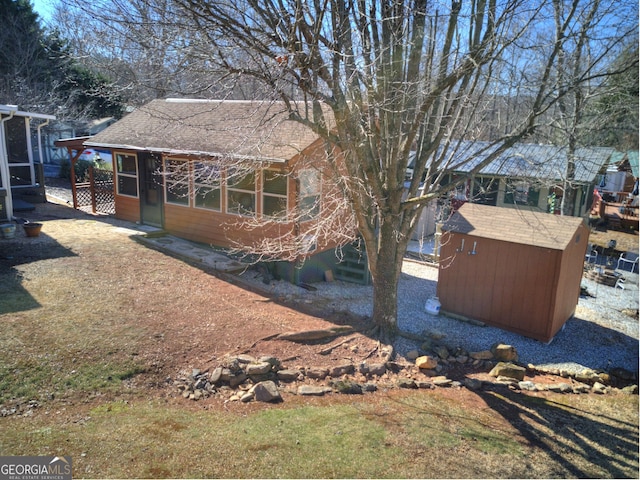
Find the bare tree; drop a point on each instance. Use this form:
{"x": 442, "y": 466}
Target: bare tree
{"x": 400, "y": 80}
{"x": 384, "y": 83}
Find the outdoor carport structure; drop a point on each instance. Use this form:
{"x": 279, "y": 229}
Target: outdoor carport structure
{"x": 513, "y": 269}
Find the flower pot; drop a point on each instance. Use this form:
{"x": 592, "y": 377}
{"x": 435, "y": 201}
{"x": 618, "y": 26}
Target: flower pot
{"x": 8, "y": 230}
{"x": 32, "y": 229}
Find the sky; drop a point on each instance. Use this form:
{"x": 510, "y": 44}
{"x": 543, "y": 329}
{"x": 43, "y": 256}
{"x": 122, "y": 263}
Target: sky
{"x": 43, "y": 8}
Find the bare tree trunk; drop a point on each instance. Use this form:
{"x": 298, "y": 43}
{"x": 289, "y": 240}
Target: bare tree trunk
{"x": 386, "y": 271}
{"x": 569, "y": 194}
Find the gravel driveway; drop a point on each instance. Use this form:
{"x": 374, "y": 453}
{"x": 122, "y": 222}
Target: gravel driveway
{"x": 600, "y": 336}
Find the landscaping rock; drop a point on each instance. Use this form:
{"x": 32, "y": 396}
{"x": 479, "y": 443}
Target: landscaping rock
{"x": 259, "y": 368}
{"x": 441, "y": 381}
{"x": 312, "y": 390}
{"x": 507, "y": 369}
{"x": 630, "y": 390}
{"x": 406, "y": 383}
{"x": 340, "y": 370}
{"x": 247, "y": 397}
{"x": 266, "y": 392}
{"x": 244, "y": 359}
{"x": 483, "y": 355}
{"x": 423, "y": 384}
{"x": 472, "y": 383}
{"x": 426, "y": 362}
{"x": 504, "y": 353}
{"x": 216, "y": 375}
{"x": 442, "y": 351}
{"x": 528, "y": 386}
{"x": 288, "y": 375}
{"x": 237, "y": 379}
{"x": 560, "y": 388}
{"x": 581, "y": 388}
{"x": 319, "y": 373}
{"x": 378, "y": 369}
{"x": 587, "y": 376}
{"x": 599, "y": 388}
{"x": 275, "y": 363}
{"x": 347, "y": 387}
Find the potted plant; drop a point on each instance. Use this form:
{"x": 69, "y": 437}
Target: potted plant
{"x": 32, "y": 229}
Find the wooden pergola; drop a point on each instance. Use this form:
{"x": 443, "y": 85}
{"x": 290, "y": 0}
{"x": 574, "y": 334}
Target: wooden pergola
{"x": 75, "y": 147}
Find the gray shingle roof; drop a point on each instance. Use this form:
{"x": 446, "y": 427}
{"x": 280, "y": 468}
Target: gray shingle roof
{"x": 245, "y": 129}
{"x": 512, "y": 225}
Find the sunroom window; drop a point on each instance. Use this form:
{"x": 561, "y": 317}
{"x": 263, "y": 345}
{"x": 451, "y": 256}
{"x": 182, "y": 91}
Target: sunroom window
{"x": 206, "y": 184}
{"x": 274, "y": 194}
{"x": 241, "y": 194}
{"x": 176, "y": 181}
{"x": 309, "y": 195}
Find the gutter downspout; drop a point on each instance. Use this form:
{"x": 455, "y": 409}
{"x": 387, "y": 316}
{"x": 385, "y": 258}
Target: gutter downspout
{"x": 4, "y": 165}
{"x": 43, "y": 124}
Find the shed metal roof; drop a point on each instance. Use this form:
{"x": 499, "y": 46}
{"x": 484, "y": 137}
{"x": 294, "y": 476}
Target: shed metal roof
{"x": 240, "y": 129}
{"x": 513, "y": 225}
{"x": 523, "y": 160}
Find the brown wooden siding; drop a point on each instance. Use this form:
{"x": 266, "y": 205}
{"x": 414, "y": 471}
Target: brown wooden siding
{"x": 227, "y": 230}
{"x": 508, "y": 285}
{"x": 216, "y": 228}
{"x": 568, "y": 288}
{"x": 127, "y": 208}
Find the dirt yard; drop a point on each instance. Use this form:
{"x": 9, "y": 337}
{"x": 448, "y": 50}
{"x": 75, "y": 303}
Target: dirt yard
{"x": 187, "y": 318}
{"x": 99, "y": 316}
{"x": 179, "y": 316}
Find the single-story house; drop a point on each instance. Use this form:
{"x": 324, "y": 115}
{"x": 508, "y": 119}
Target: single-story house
{"x": 620, "y": 175}
{"x": 519, "y": 270}
{"x": 20, "y": 177}
{"x": 206, "y": 170}
{"x": 525, "y": 176}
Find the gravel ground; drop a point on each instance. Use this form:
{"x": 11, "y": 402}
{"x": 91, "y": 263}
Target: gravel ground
{"x": 600, "y": 336}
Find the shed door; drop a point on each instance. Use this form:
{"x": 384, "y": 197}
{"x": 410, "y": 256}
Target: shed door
{"x": 151, "y": 189}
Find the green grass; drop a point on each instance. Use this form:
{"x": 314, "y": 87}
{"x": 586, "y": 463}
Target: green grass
{"x": 153, "y": 440}
{"x": 39, "y": 379}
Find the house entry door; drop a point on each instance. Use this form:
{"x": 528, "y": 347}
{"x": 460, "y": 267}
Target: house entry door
{"x": 151, "y": 189}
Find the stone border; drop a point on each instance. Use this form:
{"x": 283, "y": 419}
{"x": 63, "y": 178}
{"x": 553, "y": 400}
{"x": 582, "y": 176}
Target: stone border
{"x": 245, "y": 378}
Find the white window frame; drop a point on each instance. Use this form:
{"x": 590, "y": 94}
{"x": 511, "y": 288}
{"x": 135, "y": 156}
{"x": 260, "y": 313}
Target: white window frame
{"x": 119, "y": 174}
{"x": 285, "y": 213}
{"x": 210, "y": 186}
{"x": 169, "y": 183}
{"x": 304, "y": 191}
{"x": 231, "y": 189}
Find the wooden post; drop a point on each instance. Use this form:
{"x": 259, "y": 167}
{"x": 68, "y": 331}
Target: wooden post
{"x": 92, "y": 189}
{"x": 73, "y": 159}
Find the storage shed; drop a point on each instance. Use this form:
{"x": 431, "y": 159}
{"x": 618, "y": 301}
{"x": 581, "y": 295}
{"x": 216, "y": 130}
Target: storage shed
{"x": 512, "y": 269}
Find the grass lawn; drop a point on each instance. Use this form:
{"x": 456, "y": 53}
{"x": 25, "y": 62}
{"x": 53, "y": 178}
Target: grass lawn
{"x": 393, "y": 434}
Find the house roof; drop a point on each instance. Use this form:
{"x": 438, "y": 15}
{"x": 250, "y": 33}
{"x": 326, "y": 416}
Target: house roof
{"x": 238, "y": 129}
{"x": 513, "y": 225}
{"x": 632, "y": 155}
{"x": 523, "y": 160}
